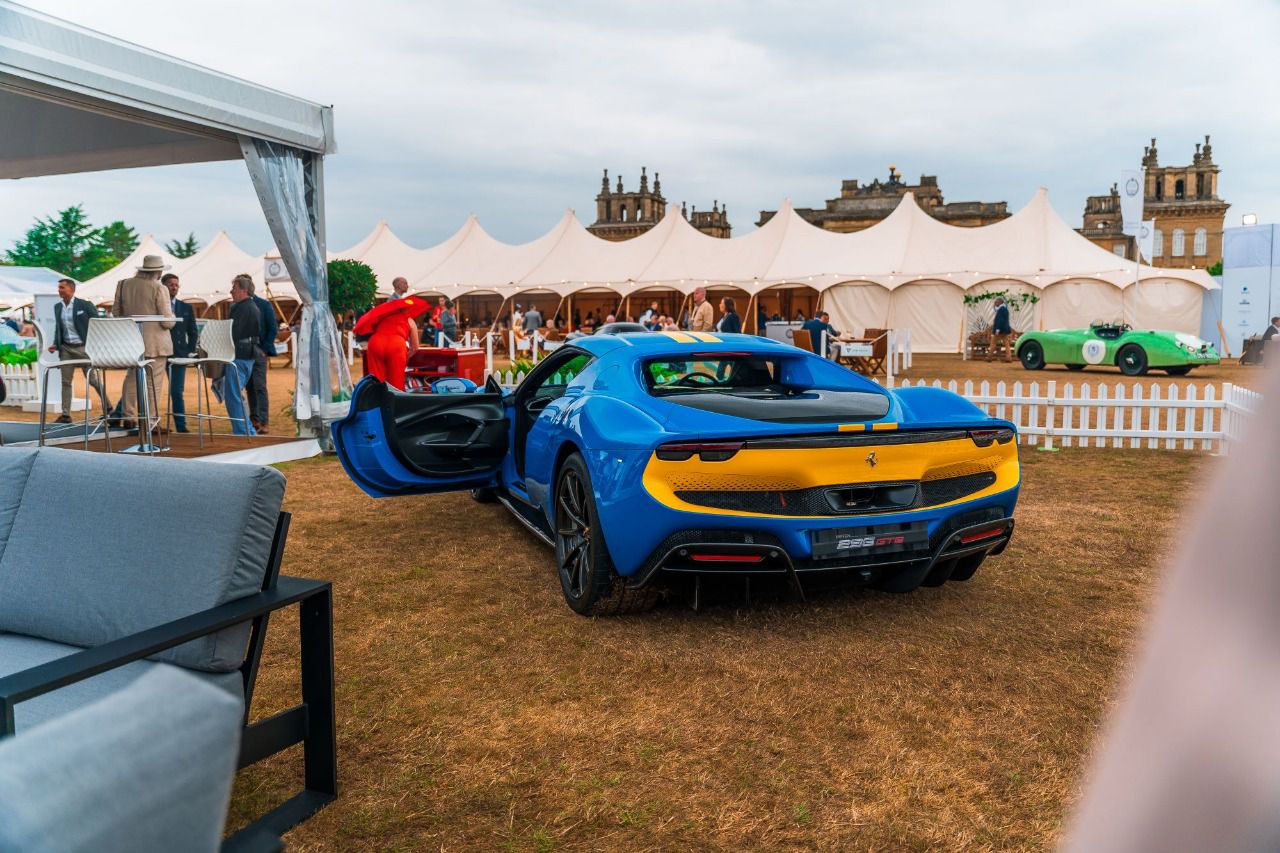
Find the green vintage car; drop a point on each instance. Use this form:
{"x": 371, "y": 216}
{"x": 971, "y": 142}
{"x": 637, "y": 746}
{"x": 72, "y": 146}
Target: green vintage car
{"x": 1134, "y": 351}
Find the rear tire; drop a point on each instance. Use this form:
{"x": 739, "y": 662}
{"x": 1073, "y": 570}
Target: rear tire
{"x": 1132, "y": 360}
{"x": 1031, "y": 354}
{"x": 484, "y": 496}
{"x": 1178, "y": 371}
{"x": 966, "y": 566}
{"x": 588, "y": 579}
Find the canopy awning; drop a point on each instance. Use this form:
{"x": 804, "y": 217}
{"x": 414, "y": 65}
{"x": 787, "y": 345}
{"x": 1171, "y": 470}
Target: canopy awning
{"x": 75, "y": 100}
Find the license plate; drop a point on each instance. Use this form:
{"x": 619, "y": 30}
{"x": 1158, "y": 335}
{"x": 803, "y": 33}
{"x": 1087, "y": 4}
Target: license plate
{"x": 878, "y": 540}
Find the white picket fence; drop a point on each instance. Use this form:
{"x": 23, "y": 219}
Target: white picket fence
{"x": 1116, "y": 415}
{"x": 1100, "y": 415}
{"x": 20, "y": 383}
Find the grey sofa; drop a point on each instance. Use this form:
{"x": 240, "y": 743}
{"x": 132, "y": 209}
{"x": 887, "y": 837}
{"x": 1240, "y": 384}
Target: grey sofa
{"x": 65, "y": 789}
{"x": 114, "y": 566}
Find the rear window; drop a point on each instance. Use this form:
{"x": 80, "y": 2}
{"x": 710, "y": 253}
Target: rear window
{"x": 712, "y": 373}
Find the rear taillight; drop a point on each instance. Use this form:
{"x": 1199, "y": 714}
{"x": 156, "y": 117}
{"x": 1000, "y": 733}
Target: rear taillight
{"x": 707, "y": 451}
{"x": 985, "y": 437}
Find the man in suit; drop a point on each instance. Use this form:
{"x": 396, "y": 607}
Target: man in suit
{"x": 144, "y": 296}
{"x": 185, "y": 340}
{"x": 71, "y": 329}
{"x": 815, "y": 327}
{"x": 259, "y": 405}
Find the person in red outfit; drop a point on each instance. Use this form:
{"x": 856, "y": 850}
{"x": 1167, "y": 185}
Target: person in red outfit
{"x": 393, "y": 334}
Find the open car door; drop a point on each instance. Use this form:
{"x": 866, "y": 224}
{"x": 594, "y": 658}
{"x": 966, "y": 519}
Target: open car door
{"x": 394, "y": 443}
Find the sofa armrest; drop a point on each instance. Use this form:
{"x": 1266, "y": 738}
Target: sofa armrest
{"x": 148, "y": 768}
{"x": 48, "y": 677}
{"x": 311, "y": 723}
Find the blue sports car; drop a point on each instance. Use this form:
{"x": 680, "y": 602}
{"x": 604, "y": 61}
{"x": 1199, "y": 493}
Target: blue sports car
{"x": 639, "y": 456}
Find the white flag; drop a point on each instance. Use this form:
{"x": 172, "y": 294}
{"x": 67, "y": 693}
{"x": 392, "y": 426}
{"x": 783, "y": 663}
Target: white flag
{"x": 1131, "y": 194}
{"x": 273, "y": 269}
{"x": 1147, "y": 239}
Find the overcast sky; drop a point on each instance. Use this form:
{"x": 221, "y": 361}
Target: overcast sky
{"x": 510, "y": 110}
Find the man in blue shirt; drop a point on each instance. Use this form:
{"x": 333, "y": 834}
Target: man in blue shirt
{"x": 815, "y": 327}
{"x": 1000, "y": 330}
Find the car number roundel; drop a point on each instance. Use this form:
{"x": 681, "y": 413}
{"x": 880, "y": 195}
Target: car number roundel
{"x": 1094, "y": 351}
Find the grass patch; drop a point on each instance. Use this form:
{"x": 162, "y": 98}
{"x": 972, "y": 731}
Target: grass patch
{"x": 476, "y": 712}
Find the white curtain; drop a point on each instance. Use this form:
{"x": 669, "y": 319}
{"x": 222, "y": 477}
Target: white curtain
{"x": 854, "y": 307}
{"x": 1076, "y": 304}
{"x": 933, "y": 311}
{"x": 290, "y": 186}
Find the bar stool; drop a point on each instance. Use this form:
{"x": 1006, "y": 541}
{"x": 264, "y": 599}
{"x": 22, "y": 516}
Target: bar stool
{"x": 115, "y": 343}
{"x": 219, "y": 348}
{"x": 72, "y": 364}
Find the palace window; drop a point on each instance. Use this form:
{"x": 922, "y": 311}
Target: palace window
{"x": 1157, "y": 243}
{"x": 1200, "y": 185}
{"x": 1179, "y": 243}
{"x": 1201, "y": 244}
{"x": 1180, "y": 189}
{"x": 1117, "y": 249}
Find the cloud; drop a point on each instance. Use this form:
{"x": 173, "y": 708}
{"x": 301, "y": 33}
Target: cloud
{"x": 510, "y": 110}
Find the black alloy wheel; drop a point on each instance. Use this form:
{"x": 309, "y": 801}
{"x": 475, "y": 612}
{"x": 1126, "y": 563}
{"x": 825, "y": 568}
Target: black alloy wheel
{"x": 1031, "y": 354}
{"x": 590, "y": 584}
{"x": 1132, "y": 360}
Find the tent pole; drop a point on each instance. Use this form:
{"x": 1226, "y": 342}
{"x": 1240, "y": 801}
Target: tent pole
{"x": 680, "y": 311}
{"x": 751, "y": 315}
{"x": 568, "y": 321}
{"x": 272, "y": 297}
{"x": 559, "y": 305}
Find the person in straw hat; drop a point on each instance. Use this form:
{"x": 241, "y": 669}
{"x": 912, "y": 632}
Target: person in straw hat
{"x": 144, "y": 296}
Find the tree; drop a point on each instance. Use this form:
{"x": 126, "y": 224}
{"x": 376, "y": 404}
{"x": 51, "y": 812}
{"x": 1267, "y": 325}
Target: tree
{"x": 184, "y": 249}
{"x": 118, "y": 239}
{"x": 352, "y": 286}
{"x": 66, "y": 242}
{"x": 1216, "y": 269}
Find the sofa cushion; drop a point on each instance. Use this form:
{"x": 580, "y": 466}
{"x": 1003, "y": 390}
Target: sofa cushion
{"x": 104, "y": 546}
{"x": 144, "y": 770}
{"x": 18, "y": 653}
{"x": 15, "y": 467}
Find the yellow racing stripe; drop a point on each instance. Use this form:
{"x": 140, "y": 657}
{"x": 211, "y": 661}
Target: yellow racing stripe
{"x": 878, "y": 427}
{"x": 681, "y": 337}
{"x": 705, "y": 337}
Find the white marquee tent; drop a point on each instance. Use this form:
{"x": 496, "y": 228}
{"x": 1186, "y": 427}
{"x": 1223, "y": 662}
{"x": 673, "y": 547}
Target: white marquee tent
{"x": 908, "y": 271}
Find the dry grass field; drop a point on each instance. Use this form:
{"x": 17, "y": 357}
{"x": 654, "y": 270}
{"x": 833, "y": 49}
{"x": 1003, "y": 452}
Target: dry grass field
{"x": 477, "y": 712}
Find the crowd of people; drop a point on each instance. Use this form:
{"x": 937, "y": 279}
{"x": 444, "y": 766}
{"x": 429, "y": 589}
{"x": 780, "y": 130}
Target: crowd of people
{"x": 169, "y": 328}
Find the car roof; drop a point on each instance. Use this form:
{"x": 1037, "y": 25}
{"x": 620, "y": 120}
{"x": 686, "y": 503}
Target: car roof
{"x": 645, "y": 344}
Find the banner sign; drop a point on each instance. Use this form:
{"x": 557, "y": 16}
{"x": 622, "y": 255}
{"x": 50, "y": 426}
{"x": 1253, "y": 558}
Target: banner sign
{"x": 1147, "y": 239}
{"x": 1131, "y": 196}
{"x": 273, "y": 270}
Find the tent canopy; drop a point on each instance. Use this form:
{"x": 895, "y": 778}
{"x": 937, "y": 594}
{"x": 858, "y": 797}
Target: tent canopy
{"x": 75, "y": 100}
{"x": 1033, "y": 247}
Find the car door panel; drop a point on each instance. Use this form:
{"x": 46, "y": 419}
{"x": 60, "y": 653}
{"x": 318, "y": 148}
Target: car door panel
{"x": 397, "y": 443}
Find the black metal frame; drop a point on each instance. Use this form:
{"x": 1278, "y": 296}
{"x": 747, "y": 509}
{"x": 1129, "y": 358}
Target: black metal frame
{"x": 310, "y": 723}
